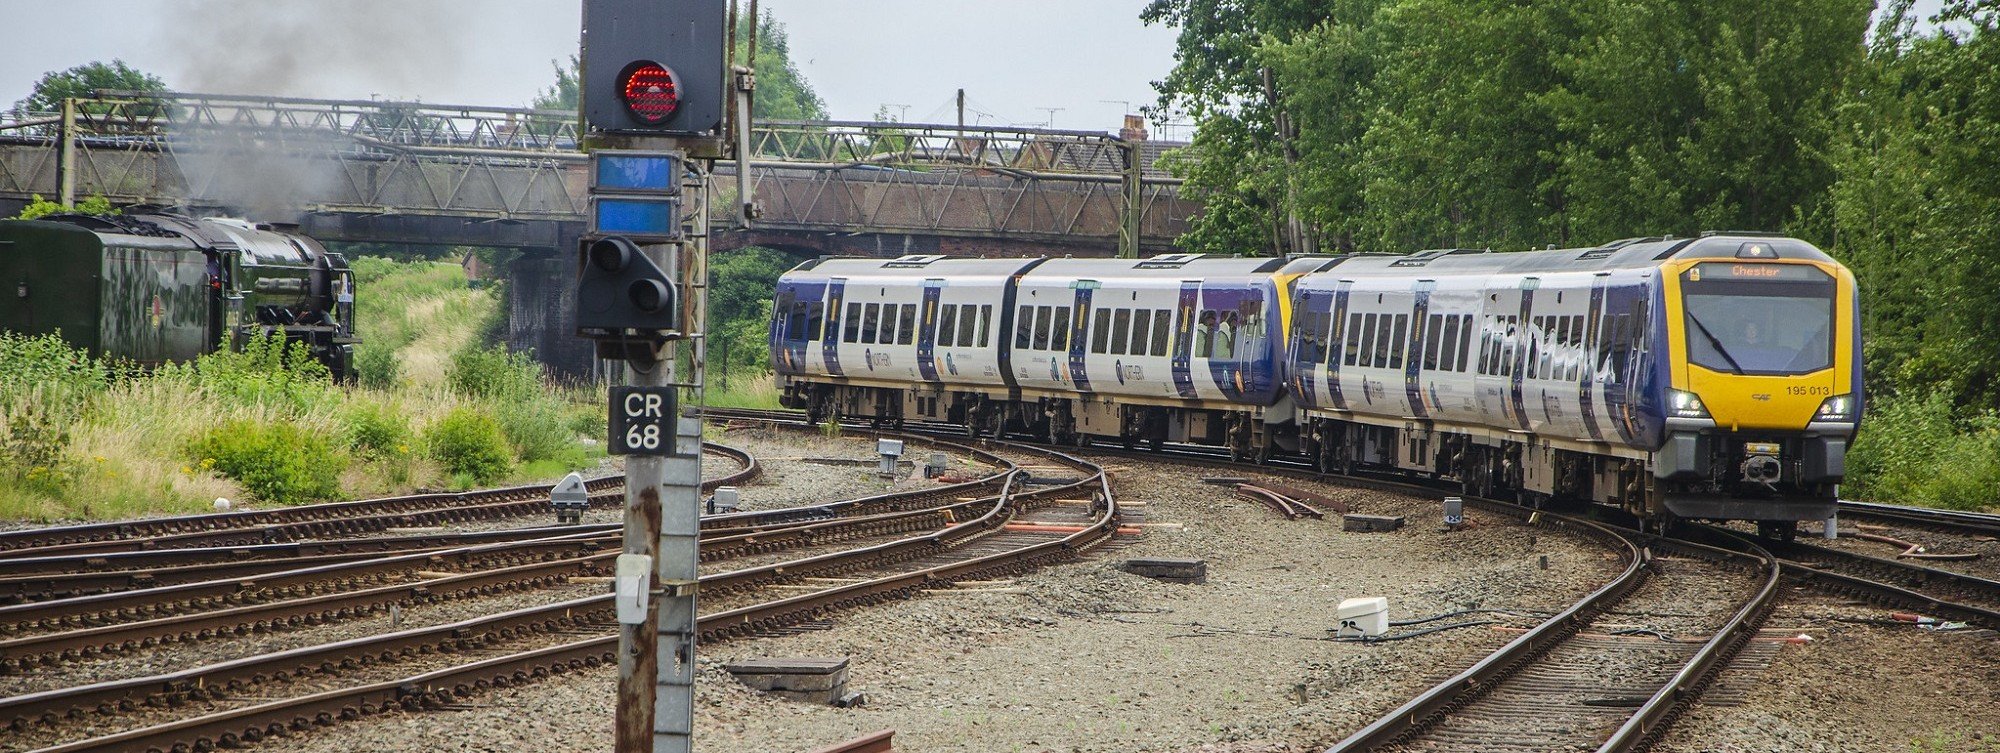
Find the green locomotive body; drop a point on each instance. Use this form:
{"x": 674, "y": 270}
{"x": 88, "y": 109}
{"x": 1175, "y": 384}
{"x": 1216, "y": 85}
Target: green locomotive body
{"x": 155, "y": 288}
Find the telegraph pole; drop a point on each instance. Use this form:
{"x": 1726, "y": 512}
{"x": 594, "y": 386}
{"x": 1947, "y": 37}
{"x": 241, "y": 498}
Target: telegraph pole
{"x": 654, "y": 89}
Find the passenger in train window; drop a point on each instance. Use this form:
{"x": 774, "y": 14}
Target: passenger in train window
{"x": 1204, "y": 335}
{"x": 1225, "y": 336}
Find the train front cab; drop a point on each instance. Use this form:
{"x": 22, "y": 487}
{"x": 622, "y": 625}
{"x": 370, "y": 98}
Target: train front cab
{"x": 1764, "y": 383}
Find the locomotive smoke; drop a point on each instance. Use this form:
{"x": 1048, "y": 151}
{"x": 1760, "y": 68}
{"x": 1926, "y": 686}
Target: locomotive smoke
{"x": 319, "y": 50}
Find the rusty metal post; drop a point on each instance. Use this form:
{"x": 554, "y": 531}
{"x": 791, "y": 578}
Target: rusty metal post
{"x": 66, "y": 166}
{"x": 1132, "y": 204}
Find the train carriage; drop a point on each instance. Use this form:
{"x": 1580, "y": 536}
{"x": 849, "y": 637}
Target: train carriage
{"x": 1715, "y": 377}
{"x": 1173, "y": 348}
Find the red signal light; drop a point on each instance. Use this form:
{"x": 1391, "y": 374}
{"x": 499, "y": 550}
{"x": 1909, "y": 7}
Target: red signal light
{"x": 651, "y": 91}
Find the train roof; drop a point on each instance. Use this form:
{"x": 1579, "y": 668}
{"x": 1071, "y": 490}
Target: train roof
{"x": 1174, "y": 266}
{"x": 1634, "y": 253}
{"x": 912, "y": 266}
{"x": 260, "y": 244}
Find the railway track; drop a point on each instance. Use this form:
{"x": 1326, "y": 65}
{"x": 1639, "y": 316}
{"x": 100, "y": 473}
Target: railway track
{"x": 995, "y": 531}
{"x": 323, "y": 521}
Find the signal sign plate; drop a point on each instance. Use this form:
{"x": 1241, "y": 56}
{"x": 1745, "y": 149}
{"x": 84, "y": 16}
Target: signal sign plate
{"x": 642, "y": 421}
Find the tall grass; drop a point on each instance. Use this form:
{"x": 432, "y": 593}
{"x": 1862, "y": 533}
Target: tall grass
{"x": 84, "y": 439}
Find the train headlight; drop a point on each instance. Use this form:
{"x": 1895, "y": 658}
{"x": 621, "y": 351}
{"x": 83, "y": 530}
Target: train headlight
{"x": 1686, "y": 404}
{"x": 1836, "y": 408}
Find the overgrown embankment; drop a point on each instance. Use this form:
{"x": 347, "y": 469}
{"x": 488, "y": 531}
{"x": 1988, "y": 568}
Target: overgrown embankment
{"x": 436, "y": 406}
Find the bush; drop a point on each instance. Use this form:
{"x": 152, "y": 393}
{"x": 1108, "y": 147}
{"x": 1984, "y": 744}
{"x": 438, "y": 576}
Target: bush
{"x": 539, "y": 429}
{"x": 470, "y": 445}
{"x": 489, "y": 373}
{"x": 377, "y": 431}
{"x": 1912, "y": 451}
{"x": 375, "y": 366}
{"x": 276, "y": 462}
{"x": 269, "y": 371}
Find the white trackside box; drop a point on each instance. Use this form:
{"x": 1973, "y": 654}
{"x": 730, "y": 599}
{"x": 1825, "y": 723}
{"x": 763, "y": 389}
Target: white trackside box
{"x": 1363, "y": 618}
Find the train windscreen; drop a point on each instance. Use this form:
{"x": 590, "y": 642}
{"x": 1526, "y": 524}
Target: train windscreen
{"x": 1758, "y": 318}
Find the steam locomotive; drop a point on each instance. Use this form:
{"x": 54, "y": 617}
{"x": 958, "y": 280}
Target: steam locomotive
{"x": 154, "y": 287}
{"x": 1715, "y": 377}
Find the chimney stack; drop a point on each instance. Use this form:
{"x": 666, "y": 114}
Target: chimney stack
{"x": 1135, "y": 128}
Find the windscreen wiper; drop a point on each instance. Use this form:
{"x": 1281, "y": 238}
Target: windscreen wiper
{"x": 1715, "y": 342}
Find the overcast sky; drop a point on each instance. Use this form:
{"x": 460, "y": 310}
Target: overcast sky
{"x": 1013, "y": 57}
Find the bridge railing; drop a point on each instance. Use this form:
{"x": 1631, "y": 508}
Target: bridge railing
{"x": 267, "y": 156}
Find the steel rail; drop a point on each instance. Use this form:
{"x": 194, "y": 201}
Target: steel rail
{"x": 1930, "y": 518}
{"x": 254, "y": 723}
{"x": 14, "y": 543}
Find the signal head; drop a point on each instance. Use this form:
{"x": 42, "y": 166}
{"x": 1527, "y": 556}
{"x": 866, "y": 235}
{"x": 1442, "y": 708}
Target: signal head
{"x": 651, "y": 92}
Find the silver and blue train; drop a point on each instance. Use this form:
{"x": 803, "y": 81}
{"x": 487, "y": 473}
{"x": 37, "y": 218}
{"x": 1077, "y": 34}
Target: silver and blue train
{"x": 1715, "y": 377}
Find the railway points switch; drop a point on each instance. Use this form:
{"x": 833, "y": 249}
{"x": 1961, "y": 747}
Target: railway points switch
{"x": 570, "y": 500}
{"x": 1366, "y": 617}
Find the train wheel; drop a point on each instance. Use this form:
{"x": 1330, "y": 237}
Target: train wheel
{"x": 1782, "y": 530}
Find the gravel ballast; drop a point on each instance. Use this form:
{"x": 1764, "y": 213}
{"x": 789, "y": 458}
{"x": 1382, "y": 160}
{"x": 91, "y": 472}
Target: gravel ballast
{"x": 1087, "y": 657}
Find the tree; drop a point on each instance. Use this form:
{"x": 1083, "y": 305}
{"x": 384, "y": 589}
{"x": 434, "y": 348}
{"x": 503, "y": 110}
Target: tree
{"x": 83, "y": 81}
{"x": 739, "y": 304}
{"x": 567, "y": 92}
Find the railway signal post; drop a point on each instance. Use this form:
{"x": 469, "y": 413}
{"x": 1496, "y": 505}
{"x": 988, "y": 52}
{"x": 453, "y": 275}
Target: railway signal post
{"x": 655, "y": 88}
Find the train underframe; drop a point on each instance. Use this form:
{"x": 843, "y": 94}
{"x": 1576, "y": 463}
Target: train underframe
{"x": 1250, "y": 432}
{"x": 1729, "y": 482}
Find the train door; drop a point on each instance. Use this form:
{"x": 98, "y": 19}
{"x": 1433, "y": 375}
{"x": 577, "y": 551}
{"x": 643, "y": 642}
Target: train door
{"x": 1078, "y": 324}
{"x": 836, "y": 293}
{"x": 1413, "y": 361}
{"x": 1184, "y": 338}
{"x": 927, "y": 318}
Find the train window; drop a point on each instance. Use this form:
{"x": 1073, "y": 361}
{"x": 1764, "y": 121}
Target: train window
{"x": 1368, "y": 341}
{"x": 1432, "y": 332}
{"x": 1059, "y": 332}
{"x": 906, "y": 323}
{"x": 850, "y": 330}
{"x": 1041, "y": 329}
{"x": 947, "y": 326}
{"x": 968, "y": 324}
{"x": 985, "y": 324}
{"x": 1400, "y": 342}
{"x": 888, "y": 332}
{"x": 1579, "y": 346}
{"x": 815, "y": 319}
{"x": 871, "y": 320}
{"x": 1448, "y": 346}
{"x": 1121, "y": 330}
{"x": 1204, "y": 334}
{"x": 1142, "y": 331}
{"x": 1383, "y": 345}
{"x": 1024, "y": 327}
{"x": 1465, "y": 343}
{"x": 1100, "y": 336}
{"x": 1508, "y": 344}
{"x": 1163, "y": 326}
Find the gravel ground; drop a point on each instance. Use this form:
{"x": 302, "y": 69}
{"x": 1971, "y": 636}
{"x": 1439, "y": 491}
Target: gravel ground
{"x": 1860, "y": 686}
{"x": 1087, "y": 657}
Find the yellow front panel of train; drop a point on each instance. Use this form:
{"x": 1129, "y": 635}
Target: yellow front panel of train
{"x": 1762, "y": 343}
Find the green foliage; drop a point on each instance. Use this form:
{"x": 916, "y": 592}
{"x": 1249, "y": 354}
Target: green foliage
{"x": 269, "y": 371}
{"x": 491, "y": 373}
{"x": 470, "y": 445}
{"x": 782, "y": 92}
{"x": 83, "y": 81}
{"x": 1912, "y": 451}
{"x": 276, "y": 461}
{"x": 740, "y": 285}
{"x": 377, "y": 430}
{"x": 1917, "y": 209}
{"x": 567, "y": 92}
{"x": 1429, "y": 123}
{"x": 375, "y": 365}
{"x": 40, "y": 207}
